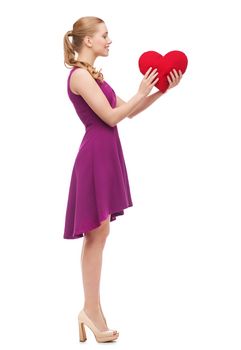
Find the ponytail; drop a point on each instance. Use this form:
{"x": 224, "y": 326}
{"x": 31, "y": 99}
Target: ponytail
{"x": 69, "y": 53}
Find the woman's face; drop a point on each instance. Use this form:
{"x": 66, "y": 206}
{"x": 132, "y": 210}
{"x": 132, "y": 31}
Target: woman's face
{"x": 101, "y": 41}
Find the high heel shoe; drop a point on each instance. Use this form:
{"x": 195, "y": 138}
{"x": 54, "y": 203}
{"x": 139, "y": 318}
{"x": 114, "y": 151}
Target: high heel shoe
{"x": 100, "y": 336}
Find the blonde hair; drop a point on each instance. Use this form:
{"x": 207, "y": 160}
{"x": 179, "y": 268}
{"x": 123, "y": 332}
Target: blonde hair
{"x": 82, "y": 27}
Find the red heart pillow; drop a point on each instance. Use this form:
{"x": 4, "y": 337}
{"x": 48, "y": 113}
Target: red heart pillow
{"x": 164, "y": 64}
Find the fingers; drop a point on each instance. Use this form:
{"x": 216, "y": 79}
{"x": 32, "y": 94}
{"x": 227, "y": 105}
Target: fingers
{"x": 149, "y": 80}
{"x": 175, "y": 78}
{"x": 155, "y": 82}
{"x": 149, "y": 75}
{"x": 169, "y": 80}
{"x": 152, "y": 78}
{"x": 147, "y": 72}
{"x": 172, "y": 75}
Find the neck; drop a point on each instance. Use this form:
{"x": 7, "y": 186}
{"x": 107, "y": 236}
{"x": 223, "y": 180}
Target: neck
{"x": 87, "y": 56}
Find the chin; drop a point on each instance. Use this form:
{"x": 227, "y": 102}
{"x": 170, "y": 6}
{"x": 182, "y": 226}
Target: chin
{"x": 104, "y": 54}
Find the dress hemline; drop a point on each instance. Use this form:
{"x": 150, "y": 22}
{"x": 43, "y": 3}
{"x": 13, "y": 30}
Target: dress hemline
{"x": 113, "y": 217}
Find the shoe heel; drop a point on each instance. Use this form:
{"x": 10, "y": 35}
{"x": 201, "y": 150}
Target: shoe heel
{"x": 82, "y": 334}
{"x": 100, "y": 336}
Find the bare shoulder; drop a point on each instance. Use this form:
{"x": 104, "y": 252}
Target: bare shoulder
{"x": 80, "y": 72}
{"x": 80, "y": 78}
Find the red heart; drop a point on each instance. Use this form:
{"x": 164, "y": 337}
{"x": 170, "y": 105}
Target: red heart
{"x": 164, "y": 64}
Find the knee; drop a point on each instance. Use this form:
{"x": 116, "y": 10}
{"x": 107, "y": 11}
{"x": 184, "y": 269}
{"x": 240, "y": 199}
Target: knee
{"x": 99, "y": 234}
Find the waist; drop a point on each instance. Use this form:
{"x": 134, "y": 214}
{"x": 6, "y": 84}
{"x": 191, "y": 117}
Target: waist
{"x": 100, "y": 126}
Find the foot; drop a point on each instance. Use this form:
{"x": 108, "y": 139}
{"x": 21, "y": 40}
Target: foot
{"x": 97, "y": 318}
{"x": 103, "y": 316}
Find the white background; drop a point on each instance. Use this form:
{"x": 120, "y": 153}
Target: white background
{"x": 171, "y": 269}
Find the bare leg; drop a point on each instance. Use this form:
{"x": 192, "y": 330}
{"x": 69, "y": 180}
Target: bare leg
{"x": 91, "y": 263}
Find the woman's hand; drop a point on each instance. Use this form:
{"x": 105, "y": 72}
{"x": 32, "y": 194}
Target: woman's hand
{"x": 175, "y": 78}
{"x": 150, "y": 79}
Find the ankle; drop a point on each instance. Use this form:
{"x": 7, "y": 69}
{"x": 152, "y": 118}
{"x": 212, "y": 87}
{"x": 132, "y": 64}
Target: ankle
{"x": 92, "y": 309}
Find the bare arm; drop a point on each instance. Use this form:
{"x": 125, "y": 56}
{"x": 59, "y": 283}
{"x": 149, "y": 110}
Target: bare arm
{"x": 148, "y": 100}
{"x": 143, "y": 104}
{"x": 83, "y": 84}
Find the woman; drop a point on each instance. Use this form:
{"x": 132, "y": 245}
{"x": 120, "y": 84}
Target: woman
{"x": 99, "y": 188}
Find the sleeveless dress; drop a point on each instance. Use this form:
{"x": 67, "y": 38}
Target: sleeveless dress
{"x": 99, "y": 183}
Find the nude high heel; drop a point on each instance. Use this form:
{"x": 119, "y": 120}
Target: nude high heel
{"x": 100, "y": 337}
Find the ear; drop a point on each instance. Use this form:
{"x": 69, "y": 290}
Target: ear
{"x": 88, "y": 41}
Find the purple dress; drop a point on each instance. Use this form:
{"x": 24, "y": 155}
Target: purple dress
{"x": 99, "y": 182}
